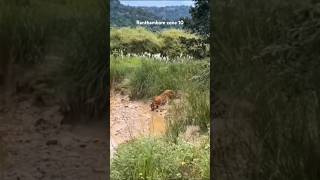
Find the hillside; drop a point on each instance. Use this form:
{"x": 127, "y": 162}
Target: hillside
{"x": 122, "y": 15}
{"x": 169, "y": 12}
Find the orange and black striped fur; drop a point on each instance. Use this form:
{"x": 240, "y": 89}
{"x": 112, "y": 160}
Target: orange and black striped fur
{"x": 162, "y": 99}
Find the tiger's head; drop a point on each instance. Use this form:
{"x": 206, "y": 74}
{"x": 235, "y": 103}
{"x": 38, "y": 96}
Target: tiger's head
{"x": 153, "y": 106}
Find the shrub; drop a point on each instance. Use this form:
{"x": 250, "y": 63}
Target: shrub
{"x": 83, "y": 72}
{"x": 267, "y": 59}
{"x": 171, "y": 43}
{"x": 153, "y": 77}
{"x": 177, "y": 43}
{"x": 192, "y": 109}
{"x": 134, "y": 41}
{"x": 156, "y": 158}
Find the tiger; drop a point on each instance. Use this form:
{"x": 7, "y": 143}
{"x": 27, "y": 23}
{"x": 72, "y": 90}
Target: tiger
{"x": 162, "y": 99}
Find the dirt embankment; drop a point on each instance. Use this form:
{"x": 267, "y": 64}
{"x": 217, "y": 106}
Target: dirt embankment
{"x": 132, "y": 119}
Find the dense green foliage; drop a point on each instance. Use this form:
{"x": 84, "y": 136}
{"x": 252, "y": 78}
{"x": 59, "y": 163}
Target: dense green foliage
{"x": 73, "y": 31}
{"x": 178, "y": 42}
{"x": 126, "y": 16}
{"x": 171, "y": 43}
{"x": 23, "y": 34}
{"x": 266, "y": 73}
{"x": 200, "y": 15}
{"x": 84, "y": 70}
{"x": 169, "y": 13}
{"x": 155, "y": 158}
{"x": 134, "y": 41}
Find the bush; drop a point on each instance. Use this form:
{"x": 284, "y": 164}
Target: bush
{"x": 171, "y": 43}
{"x": 121, "y": 69}
{"x": 26, "y": 28}
{"x": 193, "y": 109}
{"x": 134, "y": 41}
{"x": 153, "y": 77}
{"x": 155, "y": 158}
{"x": 83, "y": 72}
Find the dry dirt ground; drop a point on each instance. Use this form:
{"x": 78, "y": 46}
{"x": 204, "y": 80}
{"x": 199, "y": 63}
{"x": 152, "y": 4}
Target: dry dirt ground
{"x": 39, "y": 147}
{"x": 132, "y": 119}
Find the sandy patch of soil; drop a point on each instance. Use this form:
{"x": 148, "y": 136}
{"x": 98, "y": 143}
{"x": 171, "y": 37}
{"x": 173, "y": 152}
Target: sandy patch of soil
{"x": 132, "y": 119}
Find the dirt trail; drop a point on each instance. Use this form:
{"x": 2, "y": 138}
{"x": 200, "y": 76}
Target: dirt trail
{"x": 40, "y": 148}
{"x": 132, "y": 119}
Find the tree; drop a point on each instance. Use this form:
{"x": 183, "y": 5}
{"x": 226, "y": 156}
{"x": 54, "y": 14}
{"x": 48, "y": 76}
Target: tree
{"x": 199, "y": 23}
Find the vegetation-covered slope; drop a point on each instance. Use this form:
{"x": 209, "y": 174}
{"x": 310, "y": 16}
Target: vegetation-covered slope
{"x": 172, "y": 13}
{"x": 123, "y": 16}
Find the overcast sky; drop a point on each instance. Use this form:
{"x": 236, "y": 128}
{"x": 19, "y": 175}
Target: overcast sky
{"x": 157, "y": 3}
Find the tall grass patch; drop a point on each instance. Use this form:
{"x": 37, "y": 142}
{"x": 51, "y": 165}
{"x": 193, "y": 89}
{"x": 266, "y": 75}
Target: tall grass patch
{"x": 122, "y": 68}
{"x": 194, "y": 106}
{"x": 153, "y": 77}
{"x": 156, "y": 158}
{"x": 83, "y": 71}
{"x": 267, "y": 61}
{"x": 24, "y": 30}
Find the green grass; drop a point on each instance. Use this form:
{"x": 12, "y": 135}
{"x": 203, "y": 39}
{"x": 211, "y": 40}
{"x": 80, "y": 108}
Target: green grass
{"x": 144, "y": 78}
{"x": 168, "y": 157}
{"x": 28, "y": 34}
{"x": 267, "y": 59}
{"x": 150, "y": 77}
{"x": 171, "y": 42}
{"x": 121, "y": 69}
{"x": 156, "y": 158}
{"x": 193, "y": 109}
{"x": 80, "y": 78}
